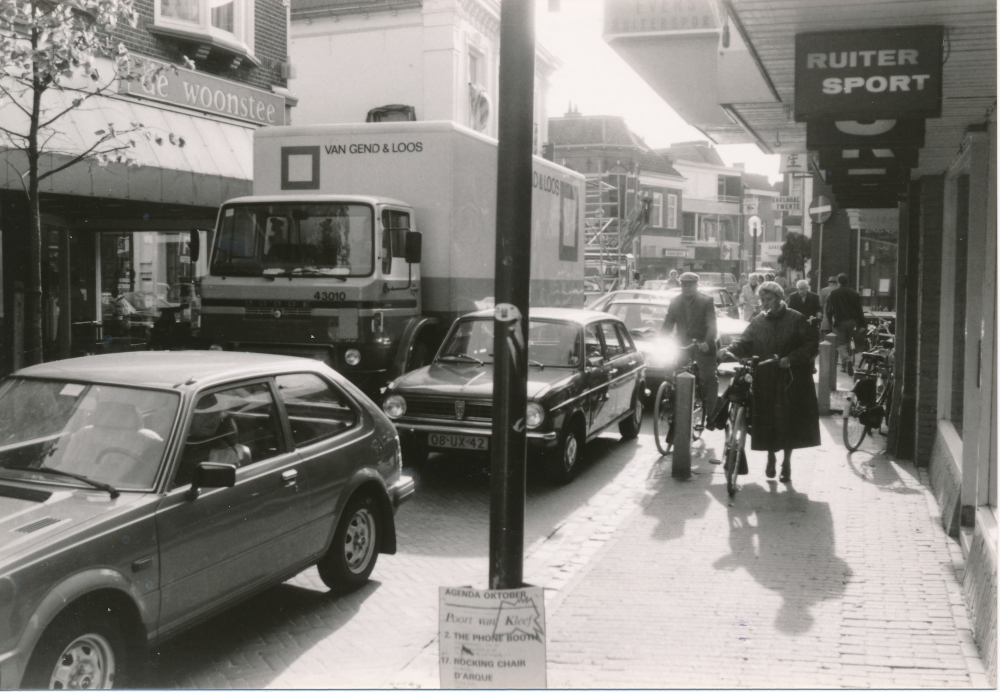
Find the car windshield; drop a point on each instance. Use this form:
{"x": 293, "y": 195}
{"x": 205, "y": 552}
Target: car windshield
{"x": 550, "y": 344}
{"x": 331, "y": 240}
{"x": 113, "y": 435}
{"x": 639, "y": 317}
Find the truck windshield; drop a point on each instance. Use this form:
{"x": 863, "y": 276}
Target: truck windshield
{"x": 295, "y": 239}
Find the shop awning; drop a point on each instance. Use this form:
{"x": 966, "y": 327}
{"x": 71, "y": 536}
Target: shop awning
{"x": 181, "y": 157}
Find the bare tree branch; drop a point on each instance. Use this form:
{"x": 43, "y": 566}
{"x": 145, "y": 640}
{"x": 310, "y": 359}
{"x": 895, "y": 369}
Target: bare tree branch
{"x": 80, "y": 157}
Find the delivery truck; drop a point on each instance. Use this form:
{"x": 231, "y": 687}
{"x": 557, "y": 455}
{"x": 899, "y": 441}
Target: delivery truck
{"x": 363, "y": 242}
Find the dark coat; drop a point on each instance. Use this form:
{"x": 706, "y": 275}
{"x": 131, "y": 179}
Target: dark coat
{"x": 808, "y": 306}
{"x": 785, "y": 412}
{"x": 845, "y": 304}
{"x": 694, "y": 319}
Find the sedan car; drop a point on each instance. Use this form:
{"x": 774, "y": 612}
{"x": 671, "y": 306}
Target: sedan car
{"x": 725, "y": 304}
{"x": 143, "y": 492}
{"x": 644, "y": 320}
{"x": 585, "y": 375}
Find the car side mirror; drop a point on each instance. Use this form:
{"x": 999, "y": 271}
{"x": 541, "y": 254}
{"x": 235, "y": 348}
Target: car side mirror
{"x": 414, "y": 241}
{"x": 595, "y": 361}
{"x": 211, "y": 474}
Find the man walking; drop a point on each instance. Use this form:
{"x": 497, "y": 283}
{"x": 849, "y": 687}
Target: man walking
{"x": 691, "y": 317}
{"x": 805, "y": 301}
{"x": 749, "y": 301}
{"x": 843, "y": 309}
{"x": 824, "y": 294}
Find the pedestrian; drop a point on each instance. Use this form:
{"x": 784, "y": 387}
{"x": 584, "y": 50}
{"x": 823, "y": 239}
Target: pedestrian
{"x": 741, "y": 283}
{"x": 785, "y": 413}
{"x": 782, "y": 281}
{"x": 691, "y": 319}
{"x": 843, "y": 309}
{"x": 824, "y": 293}
{"x": 806, "y": 302}
{"x": 672, "y": 280}
{"x": 769, "y": 277}
{"x": 749, "y": 302}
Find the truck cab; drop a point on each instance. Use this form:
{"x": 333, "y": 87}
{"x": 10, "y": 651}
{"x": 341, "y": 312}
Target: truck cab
{"x": 331, "y": 277}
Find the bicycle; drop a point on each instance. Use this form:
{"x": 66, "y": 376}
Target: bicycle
{"x": 664, "y": 405}
{"x": 870, "y": 400}
{"x": 739, "y": 398}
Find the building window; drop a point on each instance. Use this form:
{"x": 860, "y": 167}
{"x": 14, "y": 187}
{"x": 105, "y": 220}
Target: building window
{"x": 229, "y": 22}
{"x": 656, "y": 213}
{"x": 689, "y": 223}
{"x": 796, "y": 184}
{"x": 721, "y": 187}
{"x": 671, "y": 211}
{"x": 475, "y": 60}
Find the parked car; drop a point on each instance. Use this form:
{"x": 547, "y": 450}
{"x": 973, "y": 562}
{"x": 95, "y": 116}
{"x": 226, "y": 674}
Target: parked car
{"x": 632, "y": 294}
{"x": 585, "y": 375}
{"x": 644, "y": 320}
{"x": 143, "y": 492}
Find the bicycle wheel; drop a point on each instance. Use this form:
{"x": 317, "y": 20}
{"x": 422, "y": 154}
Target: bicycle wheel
{"x": 734, "y": 445}
{"x": 663, "y": 416}
{"x": 854, "y": 429}
{"x": 698, "y": 415}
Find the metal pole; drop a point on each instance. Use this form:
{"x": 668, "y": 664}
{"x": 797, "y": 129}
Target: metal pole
{"x": 819, "y": 280}
{"x": 513, "y": 276}
{"x": 753, "y": 260}
{"x": 680, "y": 466}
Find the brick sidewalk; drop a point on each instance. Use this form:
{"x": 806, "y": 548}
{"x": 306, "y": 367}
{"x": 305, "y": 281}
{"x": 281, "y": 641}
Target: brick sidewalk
{"x": 843, "y": 578}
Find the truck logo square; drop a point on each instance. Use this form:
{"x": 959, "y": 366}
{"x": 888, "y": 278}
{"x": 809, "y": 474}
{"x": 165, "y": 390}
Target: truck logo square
{"x": 300, "y": 168}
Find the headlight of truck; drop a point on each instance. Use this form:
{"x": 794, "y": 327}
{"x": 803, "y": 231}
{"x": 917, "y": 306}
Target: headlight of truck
{"x": 352, "y": 356}
{"x": 534, "y": 415}
{"x": 394, "y": 406}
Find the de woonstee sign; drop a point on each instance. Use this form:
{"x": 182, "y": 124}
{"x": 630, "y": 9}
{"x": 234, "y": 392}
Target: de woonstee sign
{"x": 869, "y": 74}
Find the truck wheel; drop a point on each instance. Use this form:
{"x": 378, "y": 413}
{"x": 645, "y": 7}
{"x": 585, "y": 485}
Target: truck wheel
{"x": 84, "y": 648}
{"x": 564, "y": 460}
{"x": 352, "y": 554}
{"x": 629, "y": 428}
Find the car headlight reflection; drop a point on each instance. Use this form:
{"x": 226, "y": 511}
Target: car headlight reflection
{"x": 352, "y": 356}
{"x": 534, "y": 416}
{"x": 394, "y": 406}
{"x": 660, "y": 353}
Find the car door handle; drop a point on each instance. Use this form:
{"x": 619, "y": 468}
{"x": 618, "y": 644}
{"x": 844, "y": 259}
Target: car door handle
{"x": 614, "y": 371}
{"x": 289, "y": 477}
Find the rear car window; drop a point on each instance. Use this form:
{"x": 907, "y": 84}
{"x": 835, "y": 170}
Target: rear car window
{"x": 316, "y": 409}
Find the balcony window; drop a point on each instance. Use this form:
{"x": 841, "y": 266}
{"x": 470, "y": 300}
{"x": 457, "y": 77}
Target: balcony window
{"x": 225, "y": 24}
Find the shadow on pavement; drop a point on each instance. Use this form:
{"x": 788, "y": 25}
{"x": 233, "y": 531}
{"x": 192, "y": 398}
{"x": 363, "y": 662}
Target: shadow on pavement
{"x": 872, "y": 464}
{"x": 260, "y": 638}
{"x": 785, "y": 541}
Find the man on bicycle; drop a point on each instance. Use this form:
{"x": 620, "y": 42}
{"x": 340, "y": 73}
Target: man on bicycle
{"x": 844, "y": 310}
{"x": 691, "y": 318}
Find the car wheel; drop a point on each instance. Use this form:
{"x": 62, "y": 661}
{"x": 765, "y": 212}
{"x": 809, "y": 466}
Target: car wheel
{"x": 629, "y": 428}
{"x": 352, "y": 554}
{"x": 84, "y": 648}
{"x": 564, "y": 460}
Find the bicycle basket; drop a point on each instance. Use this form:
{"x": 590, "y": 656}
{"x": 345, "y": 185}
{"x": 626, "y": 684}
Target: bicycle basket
{"x": 864, "y": 390}
{"x": 872, "y": 418}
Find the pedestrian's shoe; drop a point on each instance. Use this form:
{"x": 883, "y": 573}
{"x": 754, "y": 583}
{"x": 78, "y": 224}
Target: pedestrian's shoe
{"x": 743, "y": 468}
{"x": 771, "y": 462}
{"x": 786, "y": 472}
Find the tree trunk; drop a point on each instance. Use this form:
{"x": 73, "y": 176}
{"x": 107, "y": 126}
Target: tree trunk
{"x": 33, "y": 344}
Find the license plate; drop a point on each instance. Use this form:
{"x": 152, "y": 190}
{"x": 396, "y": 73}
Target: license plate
{"x": 469, "y": 442}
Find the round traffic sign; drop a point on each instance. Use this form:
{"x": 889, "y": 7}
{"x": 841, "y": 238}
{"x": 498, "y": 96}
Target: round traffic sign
{"x": 820, "y": 209}
{"x": 754, "y": 226}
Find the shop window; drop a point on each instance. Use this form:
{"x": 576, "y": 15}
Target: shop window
{"x": 231, "y": 22}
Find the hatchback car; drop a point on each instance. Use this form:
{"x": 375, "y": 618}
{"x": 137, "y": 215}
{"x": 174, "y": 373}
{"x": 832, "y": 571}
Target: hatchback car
{"x": 585, "y": 375}
{"x": 143, "y": 492}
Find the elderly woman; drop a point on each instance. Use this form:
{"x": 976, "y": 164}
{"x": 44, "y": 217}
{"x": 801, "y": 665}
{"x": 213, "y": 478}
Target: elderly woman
{"x": 749, "y": 302}
{"x": 785, "y": 413}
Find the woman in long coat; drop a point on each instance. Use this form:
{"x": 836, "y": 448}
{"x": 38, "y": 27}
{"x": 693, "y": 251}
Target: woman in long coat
{"x": 785, "y": 412}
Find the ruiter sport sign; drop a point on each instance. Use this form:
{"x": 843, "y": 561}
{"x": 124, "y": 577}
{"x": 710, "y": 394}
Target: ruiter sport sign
{"x": 869, "y": 74}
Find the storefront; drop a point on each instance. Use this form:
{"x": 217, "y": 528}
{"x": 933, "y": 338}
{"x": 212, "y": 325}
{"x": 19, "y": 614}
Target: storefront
{"x": 118, "y": 240}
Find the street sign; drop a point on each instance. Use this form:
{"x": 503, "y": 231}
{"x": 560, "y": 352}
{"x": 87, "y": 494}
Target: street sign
{"x": 786, "y": 204}
{"x": 754, "y": 226}
{"x": 820, "y": 209}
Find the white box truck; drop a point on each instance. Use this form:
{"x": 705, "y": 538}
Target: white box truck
{"x": 363, "y": 242}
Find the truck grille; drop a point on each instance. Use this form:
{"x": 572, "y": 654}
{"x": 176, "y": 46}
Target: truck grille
{"x": 285, "y": 313}
{"x": 430, "y": 407}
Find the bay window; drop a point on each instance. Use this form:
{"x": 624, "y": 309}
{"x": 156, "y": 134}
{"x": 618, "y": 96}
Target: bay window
{"x": 223, "y": 23}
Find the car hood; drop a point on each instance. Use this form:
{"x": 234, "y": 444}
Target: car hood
{"x": 471, "y": 380}
{"x": 32, "y": 519}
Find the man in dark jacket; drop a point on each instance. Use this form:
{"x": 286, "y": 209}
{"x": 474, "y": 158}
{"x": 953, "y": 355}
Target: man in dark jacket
{"x": 844, "y": 310}
{"x": 691, "y": 316}
{"x": 805, "y": 301}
